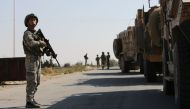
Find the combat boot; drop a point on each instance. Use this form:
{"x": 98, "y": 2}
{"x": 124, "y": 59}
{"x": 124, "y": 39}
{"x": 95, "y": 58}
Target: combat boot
{"x": 32, "y": 105}
{"x": 35, "y": 102}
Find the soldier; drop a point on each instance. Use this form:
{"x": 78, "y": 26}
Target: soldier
{"x": 108, "y": 60}
{"x": 103, "y": 60}
{"x": 32, "y": 46}
{"x": 98, "y": 61}
{"x": 85, "y": 58}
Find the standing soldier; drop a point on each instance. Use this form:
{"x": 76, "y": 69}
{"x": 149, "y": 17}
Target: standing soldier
{"x": 98, "y": 61}
{"x": 32, "y": 46}
{"x": 85, "y": 58}
{"x": 108, "y": 60}
{"x": 103, "y": 60}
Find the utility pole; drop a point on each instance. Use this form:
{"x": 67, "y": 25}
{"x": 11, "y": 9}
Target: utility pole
{"x": 13, "y": 28}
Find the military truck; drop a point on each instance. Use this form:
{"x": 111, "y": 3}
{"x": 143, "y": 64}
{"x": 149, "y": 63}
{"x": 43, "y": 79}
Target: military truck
{"x": 139, "y": 34}
{"x": 124, "y": 47}
{"x": 176, "y": 50}
{"x": 149, "y": 48}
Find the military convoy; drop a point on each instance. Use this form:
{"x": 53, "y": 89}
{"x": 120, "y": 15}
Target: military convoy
{"x": 162, "y": 38}
{"x": 141, "y": 44}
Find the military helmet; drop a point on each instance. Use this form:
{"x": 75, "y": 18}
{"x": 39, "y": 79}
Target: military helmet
{"x": 28, "y": 17}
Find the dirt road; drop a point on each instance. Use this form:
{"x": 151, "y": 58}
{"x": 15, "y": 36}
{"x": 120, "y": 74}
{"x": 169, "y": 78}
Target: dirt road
{"x": 97, "y": 89}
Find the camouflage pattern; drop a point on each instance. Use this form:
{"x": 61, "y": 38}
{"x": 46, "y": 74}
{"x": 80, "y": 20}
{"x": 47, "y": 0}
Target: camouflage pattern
{"x": 31, "y": 45}
{"x": 103, "y": 60}
{"x": 33, "y": 71}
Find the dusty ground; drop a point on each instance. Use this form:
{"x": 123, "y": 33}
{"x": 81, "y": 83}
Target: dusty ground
{"x": 96, "y": 89}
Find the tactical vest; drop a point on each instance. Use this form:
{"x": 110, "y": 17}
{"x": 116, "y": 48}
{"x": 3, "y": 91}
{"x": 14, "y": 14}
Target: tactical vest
{"x": 36, "y": 50}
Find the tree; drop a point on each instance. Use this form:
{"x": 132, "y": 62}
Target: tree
{"x": 48, "y": 63}
{"x": 67, "y": 65}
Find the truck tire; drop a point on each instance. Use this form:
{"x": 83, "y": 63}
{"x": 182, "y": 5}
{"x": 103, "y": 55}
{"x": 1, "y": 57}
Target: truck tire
{"x": 182, "y": 66}
{"x": 141, "y": 62}
{"x": 149, "y": 73}
{"x": 125, "y": 65}
{"x": 117, "y": 47}
{"x": 168, "y": 86}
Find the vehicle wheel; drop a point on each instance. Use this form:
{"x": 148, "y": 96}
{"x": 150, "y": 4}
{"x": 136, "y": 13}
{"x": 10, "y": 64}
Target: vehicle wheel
{"x": 125, "y": 67}
{"x": 141, "y": 63}
{"x": 117, "y": 47}
{"x": 182, "y": 66}
{"x": 128, "y": 66}
{"x": 149, "y": 73}
{"x": 168, "y": 86}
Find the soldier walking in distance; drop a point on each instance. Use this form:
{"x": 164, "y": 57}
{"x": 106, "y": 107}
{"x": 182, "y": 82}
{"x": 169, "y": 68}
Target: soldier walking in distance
{"x": 98, "y": 61}
{"x": 108, "y": 60}
{"x": 85, "y": 58}
{"x": 103, "y": 60}
{"x": 33, "y": 48}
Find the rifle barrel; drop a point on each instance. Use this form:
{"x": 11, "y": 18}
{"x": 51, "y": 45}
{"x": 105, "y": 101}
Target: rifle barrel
{"x": 57, "y": 62}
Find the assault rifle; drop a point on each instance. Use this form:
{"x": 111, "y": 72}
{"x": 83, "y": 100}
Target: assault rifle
{"x": 48, "y": 50}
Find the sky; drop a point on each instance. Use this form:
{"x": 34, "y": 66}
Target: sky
{"x": 73, "y": 27}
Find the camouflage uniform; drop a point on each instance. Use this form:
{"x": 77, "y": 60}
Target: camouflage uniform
{"x": 103, "y": 60}
{"x": 31, "y": 45}
{"x": 98, "y": 61}
{"x": 108, "y": 60}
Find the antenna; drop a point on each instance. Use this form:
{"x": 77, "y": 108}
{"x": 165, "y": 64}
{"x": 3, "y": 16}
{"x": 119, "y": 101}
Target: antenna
{"x": 149, "y": 3}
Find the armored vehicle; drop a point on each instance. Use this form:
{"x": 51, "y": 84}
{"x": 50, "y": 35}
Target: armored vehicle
{"x": 124, "y": 47}
{"x": 139, "y": 34}
{"x": 147, "y": 26}
{"x": 176, "y": 50}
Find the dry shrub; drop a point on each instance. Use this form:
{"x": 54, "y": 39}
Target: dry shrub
{"x": 63, "y": 70}
{"x": 48, "y": 71}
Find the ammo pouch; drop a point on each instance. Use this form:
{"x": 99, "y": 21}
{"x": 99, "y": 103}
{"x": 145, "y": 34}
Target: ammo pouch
{"x": 37, "y": 51}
